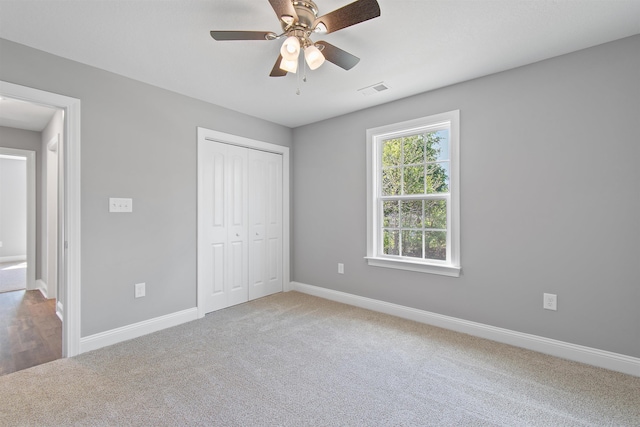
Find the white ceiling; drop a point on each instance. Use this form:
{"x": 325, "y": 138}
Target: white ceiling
{"x": 24, "y": 115}
{"x": 413, "y": 47}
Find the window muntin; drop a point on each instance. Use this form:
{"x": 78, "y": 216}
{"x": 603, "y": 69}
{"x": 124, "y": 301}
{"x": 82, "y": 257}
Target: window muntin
{"x": 413, "y": 198}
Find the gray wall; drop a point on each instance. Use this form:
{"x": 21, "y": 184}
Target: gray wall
{"x": 138, "y": 141}
{"x": 28, "y": 140}
{"x": 549, "y": 193}
{"x": 550, "y": 196}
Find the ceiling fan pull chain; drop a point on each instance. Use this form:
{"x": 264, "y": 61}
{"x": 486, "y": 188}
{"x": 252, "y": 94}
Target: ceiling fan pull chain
{"x": 298, "y": 78}
{"x": 304, "y": 69}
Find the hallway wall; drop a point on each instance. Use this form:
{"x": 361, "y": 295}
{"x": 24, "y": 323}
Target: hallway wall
{"x": 28, "y": 140}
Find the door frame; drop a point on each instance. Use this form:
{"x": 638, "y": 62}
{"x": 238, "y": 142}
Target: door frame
{"x": 50, "y": 233}
{"x": 30, "y": 158}
{"x": 226, "y": 138}
{"x": 70, "y": 210}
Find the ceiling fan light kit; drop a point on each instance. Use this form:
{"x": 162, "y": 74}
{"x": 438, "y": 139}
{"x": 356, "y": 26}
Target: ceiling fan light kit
{"x": 289, "y": 65}
{"x": 314, "y": 57}
{"x": 299, "y": 20}
{"x": 290, "y": 48}
{"x": 290, "y": 51}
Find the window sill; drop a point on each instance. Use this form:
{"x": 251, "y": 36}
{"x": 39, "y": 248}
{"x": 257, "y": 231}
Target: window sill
{"x": 421, "y": 267}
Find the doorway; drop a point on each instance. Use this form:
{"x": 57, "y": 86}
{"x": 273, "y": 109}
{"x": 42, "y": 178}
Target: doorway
{"x": 67, "y": 288}
{"x": 30, "y": 330}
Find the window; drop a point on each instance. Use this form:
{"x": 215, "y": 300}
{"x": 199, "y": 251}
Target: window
{"x": 413, "y": 214}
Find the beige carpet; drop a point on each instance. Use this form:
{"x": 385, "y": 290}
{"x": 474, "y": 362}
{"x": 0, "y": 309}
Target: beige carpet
{"x": 296, "y": 360}
{"x": 13, "y": 276}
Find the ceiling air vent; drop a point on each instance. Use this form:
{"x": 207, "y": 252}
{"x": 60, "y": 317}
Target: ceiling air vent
{"x": 373, "y": 89}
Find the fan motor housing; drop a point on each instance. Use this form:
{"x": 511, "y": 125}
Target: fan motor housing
{"x": 307, "y": 12}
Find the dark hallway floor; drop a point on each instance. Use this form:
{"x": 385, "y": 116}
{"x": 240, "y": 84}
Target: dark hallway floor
{"x": 30, "y": 331}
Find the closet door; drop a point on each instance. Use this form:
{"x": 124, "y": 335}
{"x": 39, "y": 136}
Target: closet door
{"x": 265, "y": 223}
{"x": 222, "y": 224}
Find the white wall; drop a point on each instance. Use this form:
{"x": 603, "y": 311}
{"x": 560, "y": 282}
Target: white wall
{"x": 13, "y": 208}
{"x": 53, "y": 132}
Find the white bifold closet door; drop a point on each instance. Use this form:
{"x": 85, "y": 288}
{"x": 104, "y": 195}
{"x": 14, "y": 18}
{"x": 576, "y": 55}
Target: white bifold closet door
{"x": 239, "y": 224}
{"x": 265, "y": 223}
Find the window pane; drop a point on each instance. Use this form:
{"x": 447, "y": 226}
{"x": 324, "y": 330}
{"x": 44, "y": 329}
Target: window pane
{"x": 435, "y": 214}
{"x": 438, "y": 177}
{"x": 411, "y": 214}
{"x": 391, "y": 152}
{"x": 413, "y": 180}
{"x": 437, "y": 145}
{"x": 391, "y": 242}
{"x": 412, "y": 243}
{"x": 391, "y": 213}
{"x": 413, "y": 149}
{"x": 436, "y": 245}
{"x": 391, "y": 182}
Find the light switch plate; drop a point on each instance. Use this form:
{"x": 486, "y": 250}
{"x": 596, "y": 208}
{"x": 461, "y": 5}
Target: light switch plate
{"x": 120, "y": 205}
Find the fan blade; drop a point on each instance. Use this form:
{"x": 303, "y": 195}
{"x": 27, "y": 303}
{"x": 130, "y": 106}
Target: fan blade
{"x": 277, "y": 71}
{"x": 284, "y": 8}
{"x": 338, "y": 56}
{"x": 351, "y": 14}
{"x": 242, "y": 35}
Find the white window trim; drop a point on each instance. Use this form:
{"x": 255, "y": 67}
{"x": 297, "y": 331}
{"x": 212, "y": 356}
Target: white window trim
{"x": 374, "y": 136}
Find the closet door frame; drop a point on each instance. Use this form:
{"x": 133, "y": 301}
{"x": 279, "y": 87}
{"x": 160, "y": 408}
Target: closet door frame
{"x": 204, "y": 135}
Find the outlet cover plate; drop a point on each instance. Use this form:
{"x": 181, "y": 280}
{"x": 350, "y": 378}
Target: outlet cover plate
{"x": 550, "y": 302}
{"x": 139, "y": 290}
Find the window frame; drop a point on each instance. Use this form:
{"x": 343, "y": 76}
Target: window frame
{"x": 375, "y": 138}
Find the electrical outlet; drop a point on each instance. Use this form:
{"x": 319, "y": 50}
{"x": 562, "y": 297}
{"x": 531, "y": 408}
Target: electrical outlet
{"x": 340, "y": 268}
{"x": 550, "y": 302}
{"x": 139, "y": 290}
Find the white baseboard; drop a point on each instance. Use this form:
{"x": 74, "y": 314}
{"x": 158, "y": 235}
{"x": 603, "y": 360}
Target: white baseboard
{"x": 42, "y": 287}
{"x": 14, "y": 258}
{"x": 60, "y": 310}
{"x": 114, "y": 336}
{"x": 601, "y": 358}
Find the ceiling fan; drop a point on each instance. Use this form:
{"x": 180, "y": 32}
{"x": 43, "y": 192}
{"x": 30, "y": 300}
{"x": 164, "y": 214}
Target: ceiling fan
{"x": 299, "y": 19}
